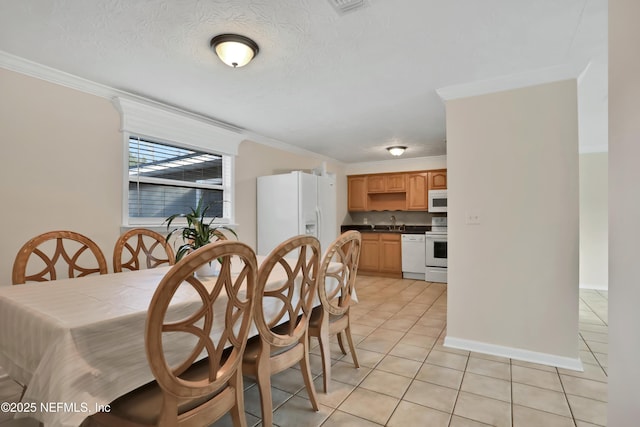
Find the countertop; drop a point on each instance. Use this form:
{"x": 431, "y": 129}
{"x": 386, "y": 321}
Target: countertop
{"x": 400, "y": 229}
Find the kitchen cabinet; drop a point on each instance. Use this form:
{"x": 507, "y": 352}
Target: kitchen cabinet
{"x": 380, "y": 254}
{"x": 357, "y": 193}
{"x": 402, "y": 191}
{"x": 386, "y": 183}
{"x": 417, "y": 186}
{"x": 438, "y": 180}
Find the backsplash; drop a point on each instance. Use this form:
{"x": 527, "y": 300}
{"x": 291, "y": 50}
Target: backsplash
{"x": 384, "y": 217}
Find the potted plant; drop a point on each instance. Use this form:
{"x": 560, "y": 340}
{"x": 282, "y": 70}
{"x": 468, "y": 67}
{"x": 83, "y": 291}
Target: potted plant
{"x": 198, "y": 231}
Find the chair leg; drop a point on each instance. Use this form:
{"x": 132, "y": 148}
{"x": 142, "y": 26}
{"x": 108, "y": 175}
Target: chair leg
{"x": 308, "y": 378}
{"x": 347, "y": 332}
{"x": 238, "y": 416}
{"x": 263, "y": 378}
{"x": 339, "y": 335}
{"x": 325, "y": 352}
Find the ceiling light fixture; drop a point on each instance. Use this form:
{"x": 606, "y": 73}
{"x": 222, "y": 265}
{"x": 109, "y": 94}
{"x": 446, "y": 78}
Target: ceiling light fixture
{"x": 396, "y": 150}
{"x": 234, "y": 50}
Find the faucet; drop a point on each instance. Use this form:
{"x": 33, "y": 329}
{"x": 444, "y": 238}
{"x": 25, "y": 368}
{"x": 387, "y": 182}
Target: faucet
{"x": 393, "y": 222}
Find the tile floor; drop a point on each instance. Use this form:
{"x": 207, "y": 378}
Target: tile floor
{"x": 407, "y": 378}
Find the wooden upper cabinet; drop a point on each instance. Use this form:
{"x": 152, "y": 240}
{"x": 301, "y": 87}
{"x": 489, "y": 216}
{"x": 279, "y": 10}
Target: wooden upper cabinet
{"x": 438, "y": 180}
{"x": 387, "y": 183}
{"x": 357, "y": 193}
{"x": 417, "y": 186}
{"x": 375, "y": 184}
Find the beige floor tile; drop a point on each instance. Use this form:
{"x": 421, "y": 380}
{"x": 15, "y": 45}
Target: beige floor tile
{"x": 535, "y": 377}
{"x": 297, "y": 412}
{"x": 591, "y": 372}
{"x": 410, "y": 352}
{"x": 589, "y": 410}
{"x": 360, "y": 329}
{"x": 289, "y": 380}
{"x": 595, "y": 336}
{"x": 347, "y": 373}
{"x": 252, "y": 400}
{"x": 598, "y": 347}
{"x": 585, "y": 388}
{"x": 439, "y": 347}
{"x": 399, "y": 366}
{"x": 603, "y": 359}
{"x": 342, "y": 419}
{"x": 448, "y": 360}
{"x": 379, "y": 345}
{"x": 458, "y": 421}
{"x": 487, "y": 386}
{"x": 386, "y": 334}
{"x": 527, "y": 417}
{"x": 398, "y": 324}
{"x": 370, "y": 405}
{"x": 431, "y": 395}
{"x": 585, "y": 424}
{"x": 541, "y": 399}
{"x": 338, "y": 392}
{"x": 483, "y": 409}
{"x": 368, "y": 359}
{"x": 418, "y": 340}
{"x": 369, "y": 321}
{"x": 408, "y": 414}
{"x": 426, "y": 330}
{"x": 489, "y": 368}
{"x": 594, "y": 328}
{"x": 440, "y": 375}
{"x": 587, "y": 357}
{"x": 225, "y": 421}
{"x": 386, "y": 383}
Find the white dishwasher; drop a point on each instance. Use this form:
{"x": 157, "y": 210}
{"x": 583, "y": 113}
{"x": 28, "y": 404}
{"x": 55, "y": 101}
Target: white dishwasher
{"x": 413, "y": 256}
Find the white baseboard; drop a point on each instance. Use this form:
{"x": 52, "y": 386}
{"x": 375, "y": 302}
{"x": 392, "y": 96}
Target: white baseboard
{"x": 414, "y": 276}
{"x": 594, "y": 286}
{"x": 515, "y": 353}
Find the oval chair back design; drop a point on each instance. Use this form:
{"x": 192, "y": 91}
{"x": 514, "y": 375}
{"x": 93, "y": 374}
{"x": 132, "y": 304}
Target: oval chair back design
{"x": 224, "y": 356}
{"x": 82, "y": 246}
{"x": 141, "y": 247}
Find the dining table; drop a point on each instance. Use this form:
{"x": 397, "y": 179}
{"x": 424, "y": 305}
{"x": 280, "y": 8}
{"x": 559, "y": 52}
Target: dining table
{"x": 78, "y": 344}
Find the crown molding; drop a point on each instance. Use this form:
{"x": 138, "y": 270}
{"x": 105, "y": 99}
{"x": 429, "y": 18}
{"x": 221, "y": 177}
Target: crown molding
{"x": 574, "y": 70}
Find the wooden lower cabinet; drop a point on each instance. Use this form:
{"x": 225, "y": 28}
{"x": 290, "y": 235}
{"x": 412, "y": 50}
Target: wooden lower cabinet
{"x": 381, "y": 254}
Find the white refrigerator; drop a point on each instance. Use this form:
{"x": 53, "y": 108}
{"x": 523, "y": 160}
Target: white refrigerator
{"x": 296, "y": 203}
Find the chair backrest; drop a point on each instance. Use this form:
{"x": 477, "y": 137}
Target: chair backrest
{"x": 225, "y": 302}
{"x": 293, "y": 265}
{"x": 70, "y": 247}
{"x": 338, "y": 273}
{"x": 142, "y": 248}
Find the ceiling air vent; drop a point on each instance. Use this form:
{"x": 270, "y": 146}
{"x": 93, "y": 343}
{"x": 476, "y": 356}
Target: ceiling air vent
{"x": 344, "y": 6}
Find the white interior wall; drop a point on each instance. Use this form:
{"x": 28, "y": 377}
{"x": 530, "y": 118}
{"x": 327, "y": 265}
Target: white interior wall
{"x": 593, "y": 221}
{"x": 512, "y": 161}
{"x": 624, "y": 213}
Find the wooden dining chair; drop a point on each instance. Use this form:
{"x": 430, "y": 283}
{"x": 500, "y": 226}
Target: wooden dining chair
{"x": 78, "y": 252}
{"x": 143, "y": 248}
{"x": 283, "y": 341}
{"x": 336, "y": 286}
{"x": 188, "y": 392}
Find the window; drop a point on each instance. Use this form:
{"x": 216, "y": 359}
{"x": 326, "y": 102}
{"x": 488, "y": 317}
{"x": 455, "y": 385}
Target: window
{"x": 174, "y": 158}
{"x": 166, "y": 179}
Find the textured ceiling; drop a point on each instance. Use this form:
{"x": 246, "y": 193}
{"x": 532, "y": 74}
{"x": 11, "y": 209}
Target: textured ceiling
{"x": 342, "y": 85}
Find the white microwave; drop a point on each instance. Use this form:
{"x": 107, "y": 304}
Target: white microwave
{"x": 437, "y": 200}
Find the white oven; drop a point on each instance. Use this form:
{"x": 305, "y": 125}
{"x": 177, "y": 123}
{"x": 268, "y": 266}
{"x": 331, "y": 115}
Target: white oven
{"x": 436, "y": 251}
{"x": 437, "y": 200}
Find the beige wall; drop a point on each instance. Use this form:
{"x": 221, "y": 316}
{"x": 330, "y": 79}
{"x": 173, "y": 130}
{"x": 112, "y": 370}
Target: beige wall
{"x": 624, "y": 212}
{"x": 593, "y": 220}
{"x": 512, "y": 159}
{"x": 256, "y": 160}
{"x": 63, "y": 167}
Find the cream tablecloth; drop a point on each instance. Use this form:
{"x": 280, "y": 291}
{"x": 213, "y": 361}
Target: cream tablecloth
{"x": 80, "y": 341}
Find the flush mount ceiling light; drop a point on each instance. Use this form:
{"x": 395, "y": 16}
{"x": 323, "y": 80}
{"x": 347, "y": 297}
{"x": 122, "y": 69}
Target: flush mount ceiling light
{"x": 396, "y": 150}
{"x": 233, "y": 49}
